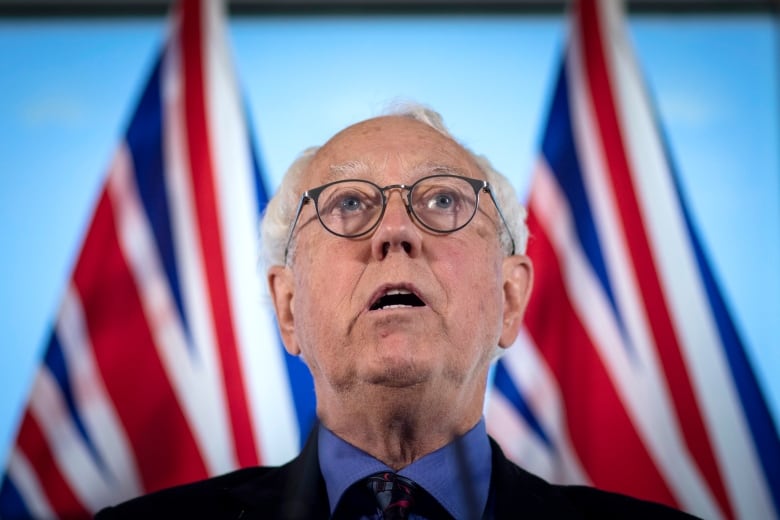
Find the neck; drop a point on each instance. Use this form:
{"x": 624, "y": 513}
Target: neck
{"x": 399, "y": 425}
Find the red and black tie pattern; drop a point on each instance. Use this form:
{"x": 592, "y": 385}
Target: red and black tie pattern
{"x": 394, "y": 494}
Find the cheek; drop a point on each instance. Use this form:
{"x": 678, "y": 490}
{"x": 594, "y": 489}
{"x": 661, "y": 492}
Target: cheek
{"x": 475, "y": 264}
{"x": 323, "y": 292}
{"x": 307, "y": 306}
{"x": 472, "y": 277}
{"x": 485, "y": 297}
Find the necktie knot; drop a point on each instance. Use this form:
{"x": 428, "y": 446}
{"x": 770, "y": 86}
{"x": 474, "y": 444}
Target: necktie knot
{"x": 394, "y": 494}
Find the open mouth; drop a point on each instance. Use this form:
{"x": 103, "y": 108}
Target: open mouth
{"x": 396, "y": 299}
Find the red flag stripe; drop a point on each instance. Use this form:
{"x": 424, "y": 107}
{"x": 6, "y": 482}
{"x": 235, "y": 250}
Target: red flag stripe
{"x": 583, "y": 380}
{"x": 208, "y": 223}
{"x": 131, "y": 368}
{"x": 169, "y": 401}
{"x": 635, "y": 235}
{"x": 27, "y": 483}
{"x": 642, "y": 391}
{"x": 539, "y": 387}
{"x": 86, "y": 476}
{"x": 92, "y": 400}
{"x": 34, "y": 446}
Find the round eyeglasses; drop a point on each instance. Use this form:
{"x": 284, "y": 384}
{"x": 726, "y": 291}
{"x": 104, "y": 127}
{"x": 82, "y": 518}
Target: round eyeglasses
{"x": 440, "y": 203}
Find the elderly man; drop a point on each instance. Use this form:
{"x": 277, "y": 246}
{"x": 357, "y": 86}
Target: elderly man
{"x": 397, "y": 275}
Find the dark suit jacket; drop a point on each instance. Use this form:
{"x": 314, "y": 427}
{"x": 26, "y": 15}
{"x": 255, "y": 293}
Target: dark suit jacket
{"x": 296, "y": 490}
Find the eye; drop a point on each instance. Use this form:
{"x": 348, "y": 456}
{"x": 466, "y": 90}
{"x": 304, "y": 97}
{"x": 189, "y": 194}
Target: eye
{"x": 340, "y": 202}
{"x": 441, "y": 201}
{"x": 350, "y": 203}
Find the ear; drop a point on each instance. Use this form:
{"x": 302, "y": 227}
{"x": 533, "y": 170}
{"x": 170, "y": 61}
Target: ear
{"x": 281, "y": 285}
{"x": 518, "y": 280}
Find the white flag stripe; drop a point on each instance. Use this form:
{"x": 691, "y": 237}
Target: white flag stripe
{"x": 685, "y": 295}
{"x": 71, "y": 454}
{"x": 189, "y": 260}
{"x": 540, "y": 388}
{"x": 268, "y": 391}
{"x": 637, "y": 388}
{"x": 96, "y": 409}
{"x": 517, "y": 439}
{"x": 87, "y": 459}
{"x": 21, "y": 472}
{"x": 198, "y": 401}
{"x": 607, "y": 219}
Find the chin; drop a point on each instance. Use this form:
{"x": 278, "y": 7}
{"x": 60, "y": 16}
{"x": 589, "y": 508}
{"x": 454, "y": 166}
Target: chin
{"x": 398, "y": 375}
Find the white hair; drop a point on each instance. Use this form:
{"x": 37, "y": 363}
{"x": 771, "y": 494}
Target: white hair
{"x": 280, "y": 212}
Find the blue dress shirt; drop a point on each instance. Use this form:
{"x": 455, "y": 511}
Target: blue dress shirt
{"x": 439, "y": 473}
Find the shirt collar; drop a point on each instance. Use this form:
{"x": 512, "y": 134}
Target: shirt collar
{"x": 439, "y": 472}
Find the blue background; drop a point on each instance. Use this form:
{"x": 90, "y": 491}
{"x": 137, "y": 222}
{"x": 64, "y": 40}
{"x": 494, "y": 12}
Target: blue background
{"x": 68, "y": 87}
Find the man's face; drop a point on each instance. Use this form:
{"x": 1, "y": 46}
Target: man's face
{"x": 451, "y": 288}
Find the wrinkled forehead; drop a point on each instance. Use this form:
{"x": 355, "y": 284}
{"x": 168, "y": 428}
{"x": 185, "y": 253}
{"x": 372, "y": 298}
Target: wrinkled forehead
{"x": 389, "y": 150}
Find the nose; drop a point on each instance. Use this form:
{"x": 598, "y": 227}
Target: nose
{"x": 396, "y": 232}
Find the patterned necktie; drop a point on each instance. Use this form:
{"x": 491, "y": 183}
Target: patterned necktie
{"x": 393, "y": 493}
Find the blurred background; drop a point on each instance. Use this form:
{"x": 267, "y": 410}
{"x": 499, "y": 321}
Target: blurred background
{"x": 71, "y": 72}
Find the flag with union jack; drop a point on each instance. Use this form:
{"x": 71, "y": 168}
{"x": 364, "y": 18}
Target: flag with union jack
{"x": 629, "y": 374}
{"x": 164, "y": 364}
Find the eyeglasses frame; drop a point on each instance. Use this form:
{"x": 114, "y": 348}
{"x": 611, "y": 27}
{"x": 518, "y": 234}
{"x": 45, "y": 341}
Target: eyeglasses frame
{"x": 312, "y": 195}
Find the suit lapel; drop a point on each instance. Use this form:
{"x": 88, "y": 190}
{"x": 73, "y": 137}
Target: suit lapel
{"x": 293, "y": 491}
{"x": 515, "y": 492}
{"x": 296, "y": 490}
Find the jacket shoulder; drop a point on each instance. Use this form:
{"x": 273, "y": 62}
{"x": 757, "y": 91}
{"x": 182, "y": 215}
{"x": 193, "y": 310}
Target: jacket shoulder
{"x": 209, "y": 498}
{"x": 518, "y": 491}
{"x": 294, "y": 490}
{"x": 596, "y": 503}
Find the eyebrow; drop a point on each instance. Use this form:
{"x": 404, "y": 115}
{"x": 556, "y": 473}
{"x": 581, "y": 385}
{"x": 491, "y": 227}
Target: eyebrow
{"x": 439, "y": 169}
{"x": 358, "y": 169}
{"x": 348, "y": 170}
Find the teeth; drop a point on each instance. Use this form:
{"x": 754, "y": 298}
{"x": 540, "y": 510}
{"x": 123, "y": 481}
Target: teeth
{"x": 388, "y": 300}
{"x": 397, "y": 291}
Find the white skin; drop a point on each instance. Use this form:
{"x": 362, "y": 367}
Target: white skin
{"x": 398, "y": 383}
